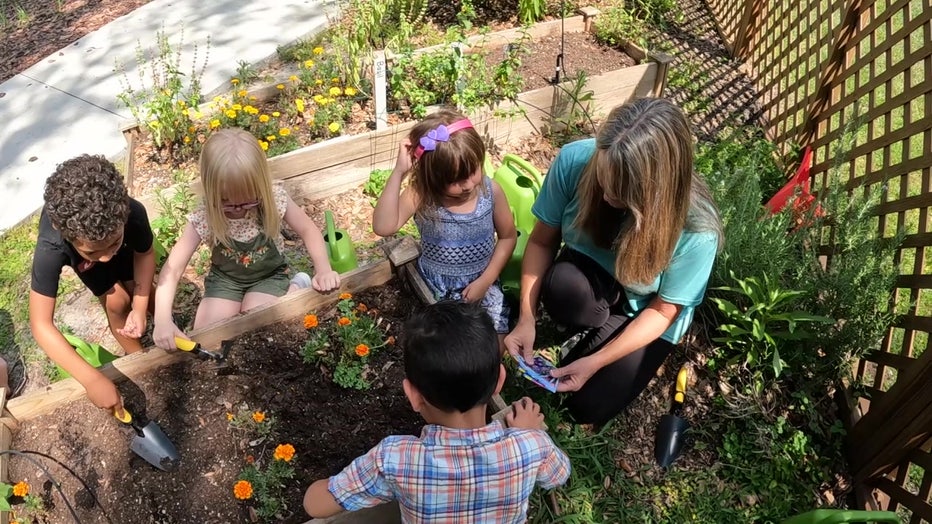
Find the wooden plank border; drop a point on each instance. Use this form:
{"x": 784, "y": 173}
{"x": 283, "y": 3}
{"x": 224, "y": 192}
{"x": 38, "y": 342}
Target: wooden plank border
{"x": 291, "y": 306}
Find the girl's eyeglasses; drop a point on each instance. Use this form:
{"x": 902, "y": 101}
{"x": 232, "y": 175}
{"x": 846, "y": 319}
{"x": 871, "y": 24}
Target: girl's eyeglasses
{"x": 244, "y": 206}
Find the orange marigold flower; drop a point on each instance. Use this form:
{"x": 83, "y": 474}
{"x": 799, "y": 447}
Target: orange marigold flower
{"x": 250, "y": 459}
{"x": 20, "y": 489}
{"x": 310, "y": 321}
{"x": 242, "y": 490}
{"x": 345, "y": 296}
{"x": 230, "y": 416}
{"x": 362, "y": 350}
{"x": 284, "y": 452}
{"x": 258, "y": 416}
{"x": 362, "y": 307}
{"x": 344, "y": 321}
{"x": 391, "y": 340}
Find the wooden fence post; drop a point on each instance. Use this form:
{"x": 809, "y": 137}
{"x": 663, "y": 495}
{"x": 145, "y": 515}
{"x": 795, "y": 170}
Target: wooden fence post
{"x": 743, "y": 34}
{"x": 896, "y": 424}
{"x": 835, "y": 65}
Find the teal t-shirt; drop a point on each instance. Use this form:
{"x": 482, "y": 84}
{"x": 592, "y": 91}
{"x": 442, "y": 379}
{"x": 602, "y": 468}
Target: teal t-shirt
{"x": 683, "y": 282}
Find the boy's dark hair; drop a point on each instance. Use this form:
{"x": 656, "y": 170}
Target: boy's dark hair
{"x": 85, "y": 199}
{"x": 451, "y": 355}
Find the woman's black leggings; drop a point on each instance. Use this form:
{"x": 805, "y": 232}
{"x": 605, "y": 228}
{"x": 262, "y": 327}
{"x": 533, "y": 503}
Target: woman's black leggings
{"x": 579, "y": 293}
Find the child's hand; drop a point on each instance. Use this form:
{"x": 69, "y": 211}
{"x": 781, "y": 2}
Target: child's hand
{"x": 103, "y": 394}
{"x": 403, "y": 160}
{"x": 525, "y": 414}
{"x": 326, "y": 280}
{"x": 164, "y": 335}
{"x": 476, "y": 290}
{"x": 135, "y": 324}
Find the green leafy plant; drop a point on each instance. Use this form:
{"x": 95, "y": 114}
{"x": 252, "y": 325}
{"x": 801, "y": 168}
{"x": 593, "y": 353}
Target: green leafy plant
{"x": 174, "y": 206}
{"x": 167, "y": 106}
{"x": 345, "y": 347}
{"x": 375, "y": 184}
{"x": 25, "y": 507}
{"x": 263, "y": 481}
{"x": 756, "y": 328}
{"x": 617, "y": 27}
{"x": 252, "y": 423}
{"x": 571, "y": 117}
{"x": 530, "y": 11}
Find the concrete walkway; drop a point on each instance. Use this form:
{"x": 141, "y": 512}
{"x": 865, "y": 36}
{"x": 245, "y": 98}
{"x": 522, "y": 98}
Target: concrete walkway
{"x": 67, "y": 104}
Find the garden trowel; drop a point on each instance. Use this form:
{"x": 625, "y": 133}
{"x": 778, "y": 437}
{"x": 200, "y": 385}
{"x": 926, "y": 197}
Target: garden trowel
{"x": 668, "y": 442}
{"x": 150, "y": 442}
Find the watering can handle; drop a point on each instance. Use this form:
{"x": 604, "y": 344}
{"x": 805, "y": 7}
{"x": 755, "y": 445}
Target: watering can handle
{"x": 331, "y": 234}
{"x": 524, "y": 166}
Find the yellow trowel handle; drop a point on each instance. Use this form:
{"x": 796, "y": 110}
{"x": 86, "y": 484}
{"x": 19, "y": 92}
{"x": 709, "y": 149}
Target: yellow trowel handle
{"x": 127, "y": 417}
{"x": 681, "y": 379}
{"x": 184, "y": 344}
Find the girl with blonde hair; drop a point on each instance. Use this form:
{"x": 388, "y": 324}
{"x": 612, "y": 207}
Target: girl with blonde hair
{"x": 639, "y": 234}
{"x": 240, "y": 219}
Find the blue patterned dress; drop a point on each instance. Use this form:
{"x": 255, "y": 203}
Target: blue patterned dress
{"x": 456, "y": 248}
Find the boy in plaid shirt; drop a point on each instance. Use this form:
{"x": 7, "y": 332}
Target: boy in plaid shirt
{"x": 460, "y": 469}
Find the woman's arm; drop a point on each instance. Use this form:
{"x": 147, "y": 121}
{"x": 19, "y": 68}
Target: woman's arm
{"x": 395, "y": 208}
{"x": 644, "y": 329}
{"x": 541, "y": 247}
{"x": 325, "y": 278}
{"x": 165, "y": 329}
{"x": 504, "y": 246}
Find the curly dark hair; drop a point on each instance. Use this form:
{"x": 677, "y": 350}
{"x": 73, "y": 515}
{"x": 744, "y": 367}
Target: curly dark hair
{"x": 85, "y": 199}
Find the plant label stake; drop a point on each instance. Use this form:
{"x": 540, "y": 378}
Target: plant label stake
{"x": 150, "y": 442}
{"x": 668, "y": 442}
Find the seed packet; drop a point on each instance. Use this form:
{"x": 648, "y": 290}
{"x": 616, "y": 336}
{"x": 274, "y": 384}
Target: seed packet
{"x": 539, "y": 373}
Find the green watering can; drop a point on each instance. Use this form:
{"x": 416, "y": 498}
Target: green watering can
{"x": 521, "y": 183}
{"x": 93, "y": 354}
{"x": 841, "y": 516}
{"x": 340, "y": 248}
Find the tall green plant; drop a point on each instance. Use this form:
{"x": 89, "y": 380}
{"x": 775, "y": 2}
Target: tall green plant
{"x": 165, "y": 102}
{"x": 530, "y": 11}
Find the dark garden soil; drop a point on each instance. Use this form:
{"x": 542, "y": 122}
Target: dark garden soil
{"x": 38, "y": 28}
{"x": 327, "y": 425}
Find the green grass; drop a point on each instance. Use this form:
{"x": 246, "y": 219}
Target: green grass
{"x": 18, "y": 245}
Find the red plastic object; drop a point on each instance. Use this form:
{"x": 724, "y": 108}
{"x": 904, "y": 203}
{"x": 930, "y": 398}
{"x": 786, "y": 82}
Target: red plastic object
{"x": 798, "y": 186}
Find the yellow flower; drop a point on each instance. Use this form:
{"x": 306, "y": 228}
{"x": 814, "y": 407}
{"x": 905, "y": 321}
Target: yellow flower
{"x": 346, "y": 296}
{"x": 299, "y": 103}
{"x": 335, "y": 80}
{"x": 242, "y": 490}
{"x": 344, "y": 321}
{"x": 310, "y": 321}
{"x": 251, "y": 110}
{"x": 319, "y": 81}
{"x": 242, "y": 93}
{"x": 284, "y": 452}
{"x": 258, "y": 416}
{"x": 318, "y": 50}
{"x": 20, "y": 489}
{"x": 252, "y": 97}
{"x": 187, "y": 139}
{"x": 237, "y": 107}
{"x": 263, "y": 118}
{"x": 214, "y": 124}
{"x": 335, "y": 91}
{"x": 362, "y": 350}
{"x": 271, "y": 138}
{"x": 333, "y": 127}
{"x": 280, "y": 87}
{"x": 181, "y": 103}
{"x": 284, "y": 131}
{"x": 293, "y": 78}
{"x": 191, "y": 129}
{"x": 230, "y": 113}
{"x": 276, "y": 114}
{"x": 264, "y": 145}
{"x": 230, "y": 417}
{"x": 308, "y": 64}
{"x": 234, "y": 81}
{"x": 350, "y": 91}
{"x": 318, "y": 98}
{"x": 184, "y": 112}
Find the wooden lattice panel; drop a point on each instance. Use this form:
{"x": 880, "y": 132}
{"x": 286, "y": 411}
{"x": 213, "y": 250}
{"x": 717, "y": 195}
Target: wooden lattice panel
{"x": 859, "y": 73}
{"x": 727, "y": 15}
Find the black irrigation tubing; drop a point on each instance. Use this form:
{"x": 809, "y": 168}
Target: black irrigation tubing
{"x": 559, "y": 67}
{"x": 25, "y": 454}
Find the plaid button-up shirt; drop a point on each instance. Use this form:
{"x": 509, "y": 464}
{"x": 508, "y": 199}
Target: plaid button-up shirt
{"x": 482, "y": 475}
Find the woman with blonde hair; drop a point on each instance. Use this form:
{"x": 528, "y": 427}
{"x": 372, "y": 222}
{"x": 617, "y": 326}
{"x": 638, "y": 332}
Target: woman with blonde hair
{"x": 241, "y": 220}
{"x": 639, "y": 234}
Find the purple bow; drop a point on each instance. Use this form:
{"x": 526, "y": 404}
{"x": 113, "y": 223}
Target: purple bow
{"x": 438, "y": 134}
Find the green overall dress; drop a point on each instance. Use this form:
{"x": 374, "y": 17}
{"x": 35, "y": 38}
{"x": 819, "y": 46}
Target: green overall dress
{"x": 255, "y": 266}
